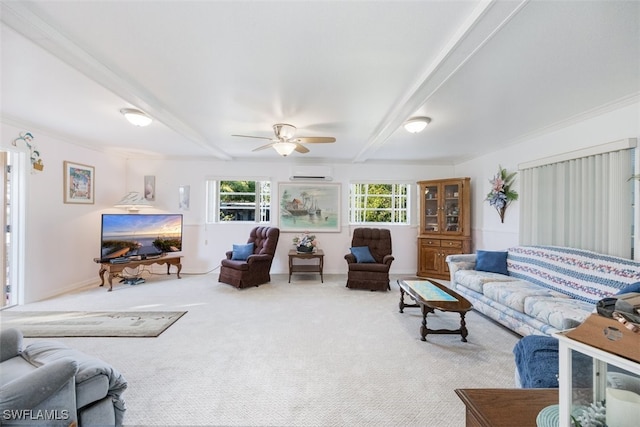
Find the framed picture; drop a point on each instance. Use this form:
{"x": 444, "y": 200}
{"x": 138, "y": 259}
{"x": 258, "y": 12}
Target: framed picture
{"x": 79, "y": 183}
{"x": 309, "y": 207}
{"x": 184, "y": 193}
{"x": 150, "y": 188}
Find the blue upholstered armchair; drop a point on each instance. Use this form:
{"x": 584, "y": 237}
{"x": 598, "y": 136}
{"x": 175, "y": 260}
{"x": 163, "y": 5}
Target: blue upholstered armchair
{"x": 51, "y": 384}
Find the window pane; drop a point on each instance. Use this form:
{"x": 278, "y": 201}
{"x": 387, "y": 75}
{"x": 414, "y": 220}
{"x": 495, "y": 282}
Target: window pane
{"x": 248, "y": 201}
{"x": 379, "y": 203}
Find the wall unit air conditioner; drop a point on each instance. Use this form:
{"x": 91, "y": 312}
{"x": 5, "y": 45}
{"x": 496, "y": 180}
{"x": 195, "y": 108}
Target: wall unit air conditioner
{"x": 310, "y": 173}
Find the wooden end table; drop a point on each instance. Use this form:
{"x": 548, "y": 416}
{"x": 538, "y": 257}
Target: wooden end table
{"x": 438, "y": 298}
{"x": 505, "y": 407}
{"x": 116, "y": 268}
{"x": 306, "y": 268}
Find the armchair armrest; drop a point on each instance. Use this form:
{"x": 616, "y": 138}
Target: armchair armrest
{"x": 259, "y": 258}
{"x": 460, "y": 262}
{"x": 350, "y": 258}
{"x": 28, "y": 391}
{"x": 388, "y": 259}
{"x": 10, "y": 344}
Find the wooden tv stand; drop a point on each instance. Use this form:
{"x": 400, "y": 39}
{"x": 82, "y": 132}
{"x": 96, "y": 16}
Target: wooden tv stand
{"x": 115, "y": 269}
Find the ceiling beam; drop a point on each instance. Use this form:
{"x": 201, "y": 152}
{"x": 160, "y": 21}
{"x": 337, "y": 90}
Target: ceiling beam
{"x": 22, "y": 19}
{"x": 486, "y": 20}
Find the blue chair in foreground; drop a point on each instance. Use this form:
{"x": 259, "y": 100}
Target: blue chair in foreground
{"x": 48, "y": 383}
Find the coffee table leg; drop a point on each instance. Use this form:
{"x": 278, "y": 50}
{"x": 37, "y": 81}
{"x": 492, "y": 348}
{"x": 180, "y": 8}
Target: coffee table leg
{"x": 463, "y": 327}
{"x": 401, "y": 305}
{"x": 423, "y": 329}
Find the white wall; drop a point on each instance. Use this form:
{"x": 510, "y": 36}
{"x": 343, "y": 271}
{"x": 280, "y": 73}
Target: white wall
{"x": 62, "y": 239}
{"x": 488, "y": 232}
{"x": 204, "y": 245}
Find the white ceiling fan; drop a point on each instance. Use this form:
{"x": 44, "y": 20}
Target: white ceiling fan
{"x": 285, "y": 141}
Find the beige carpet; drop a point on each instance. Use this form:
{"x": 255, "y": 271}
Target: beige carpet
{"x": 42, "y": 324}
{"x": 299, "y": 354}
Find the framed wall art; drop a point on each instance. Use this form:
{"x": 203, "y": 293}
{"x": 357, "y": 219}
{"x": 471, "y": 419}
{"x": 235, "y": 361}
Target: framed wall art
{"x": 150, "y": 188}
{"x": 309, "y": 207}
{"x": 79, "y": 183}
{"x": 184, "y": 192}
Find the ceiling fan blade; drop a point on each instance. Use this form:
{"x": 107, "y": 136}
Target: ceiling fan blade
{"x": 315, "y": 139}
{"x": 257, "y": 137}
{"x": 264, "y": 147}
{"x": 301, "y": 148}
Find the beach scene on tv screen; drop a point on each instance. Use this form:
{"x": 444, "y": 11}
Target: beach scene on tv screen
{"x": 131, "y": 235}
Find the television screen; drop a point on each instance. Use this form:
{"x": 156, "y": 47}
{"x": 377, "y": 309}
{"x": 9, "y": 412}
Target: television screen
{"x": 127, "y": 235}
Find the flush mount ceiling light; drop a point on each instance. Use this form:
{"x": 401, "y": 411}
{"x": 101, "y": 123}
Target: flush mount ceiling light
{"x": 132, "y": 202}
{"x": 136, "y": 117}
{"x": 416, "y": 124}
{"x": 284, "y": 148}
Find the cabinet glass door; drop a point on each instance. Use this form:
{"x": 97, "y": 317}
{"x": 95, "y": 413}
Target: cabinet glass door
{"x": 430, "y": 219}
{"x": 451, "y": 208}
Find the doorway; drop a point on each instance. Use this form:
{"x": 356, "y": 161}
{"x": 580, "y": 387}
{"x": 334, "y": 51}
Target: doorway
{"x": 9, "y": 224}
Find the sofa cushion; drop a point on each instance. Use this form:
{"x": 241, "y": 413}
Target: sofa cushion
{"x": 13, "y": 368}
{"x": 584, "y": 275}
{"x": 475, "y": 280}
{"x": 561, "y": 313}
{"x": 492, "y": 262}
{"x": 514, "y": 294}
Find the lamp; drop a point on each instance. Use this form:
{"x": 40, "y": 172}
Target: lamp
{"x": 136, "y": 117}
{"x": 284, "y": 148}
{"x": 133, "y": 201}
{"x": 416, "y": 124}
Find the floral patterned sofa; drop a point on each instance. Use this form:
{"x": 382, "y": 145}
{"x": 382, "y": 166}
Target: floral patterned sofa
{"x": 539, "y": 289}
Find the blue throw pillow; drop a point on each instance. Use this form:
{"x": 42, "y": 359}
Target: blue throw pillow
{"x": 242, "y": 252}
{"x": 492, "y": 261}
{"x": 634, "y": 287}
{"x": 362, "y": 254}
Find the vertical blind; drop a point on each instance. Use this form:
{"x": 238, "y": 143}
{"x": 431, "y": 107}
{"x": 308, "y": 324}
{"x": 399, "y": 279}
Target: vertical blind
{"x": 584, "y": 203}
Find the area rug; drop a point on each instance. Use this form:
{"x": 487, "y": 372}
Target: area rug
{"x": 40, "y": 324}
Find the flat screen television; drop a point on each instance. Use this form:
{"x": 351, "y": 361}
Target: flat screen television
{"x": 144, "y": 235}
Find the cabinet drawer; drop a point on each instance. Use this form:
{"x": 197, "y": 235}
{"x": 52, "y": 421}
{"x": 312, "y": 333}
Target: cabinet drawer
{"x": 451, "y": 243}
{"x": 430, "y": 242}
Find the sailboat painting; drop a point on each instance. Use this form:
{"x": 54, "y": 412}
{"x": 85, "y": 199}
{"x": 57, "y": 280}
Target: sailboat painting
{"x": 309, "y": 207}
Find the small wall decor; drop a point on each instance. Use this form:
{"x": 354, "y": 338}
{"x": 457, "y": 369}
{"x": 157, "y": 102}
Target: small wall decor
{"x": 150, "y": 188}
{"x": 501, "y": 194}
{"x": 79, "y": 183}
{"x": 34, "y": 154}
{"x": 309, "y": 207}
{"x": 185, "y": 196}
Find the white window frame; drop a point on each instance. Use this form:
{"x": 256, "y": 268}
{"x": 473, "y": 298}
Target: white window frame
{"x": 357, "y": 215}
{"x": 262, "y": 207}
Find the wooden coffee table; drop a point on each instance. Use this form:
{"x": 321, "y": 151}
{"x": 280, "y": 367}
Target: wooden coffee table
{"x": 430, "y": 296}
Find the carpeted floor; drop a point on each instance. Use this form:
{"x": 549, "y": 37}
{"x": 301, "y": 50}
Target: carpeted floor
{"x": 299, "y": 354}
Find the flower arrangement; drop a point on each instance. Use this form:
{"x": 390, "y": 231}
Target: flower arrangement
{"x": 305, "y": 242}
{"x": 501, "y": 194}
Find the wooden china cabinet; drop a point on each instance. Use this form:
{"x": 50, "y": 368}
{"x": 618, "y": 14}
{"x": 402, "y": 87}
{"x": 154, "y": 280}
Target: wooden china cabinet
{"x": 445, "y": 224}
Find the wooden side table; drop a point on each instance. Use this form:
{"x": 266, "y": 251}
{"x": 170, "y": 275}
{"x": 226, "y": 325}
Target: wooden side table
{"x": 116, "y": 268}
{"x": 506, "y": 407}
{"x": 306, "y": 268}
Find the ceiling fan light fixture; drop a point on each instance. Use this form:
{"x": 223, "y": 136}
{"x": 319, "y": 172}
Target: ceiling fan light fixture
{"x": 416, "y": 124}
{"x": 284, "y": 131}
{"x": 136, "y": 117}
{"x": 284, "y": 148}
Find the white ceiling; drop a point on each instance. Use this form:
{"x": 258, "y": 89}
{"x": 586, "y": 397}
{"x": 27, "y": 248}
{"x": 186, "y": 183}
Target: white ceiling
{"x": 488, "y": 73}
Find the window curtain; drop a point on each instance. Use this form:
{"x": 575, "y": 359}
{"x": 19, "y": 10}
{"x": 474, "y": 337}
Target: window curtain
{"x": 582, "y": 203}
